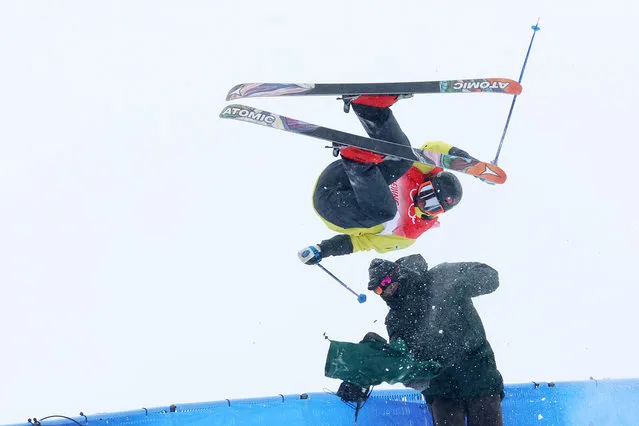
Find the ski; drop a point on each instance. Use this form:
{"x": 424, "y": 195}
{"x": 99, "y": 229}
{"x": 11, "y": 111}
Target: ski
{"x": 481, "y": 85}
{"x": 486, "y": 171}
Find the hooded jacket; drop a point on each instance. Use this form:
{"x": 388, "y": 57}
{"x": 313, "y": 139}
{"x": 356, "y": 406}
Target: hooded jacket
{"x": 432, "y": 310}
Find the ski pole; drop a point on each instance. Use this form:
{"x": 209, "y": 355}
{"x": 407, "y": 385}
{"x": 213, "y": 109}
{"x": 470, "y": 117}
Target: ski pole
{"x": 535, "y": 28}
{"x": 361, "y": 298}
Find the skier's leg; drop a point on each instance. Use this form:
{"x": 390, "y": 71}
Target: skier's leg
{"x": 350, "y": 194}
{"x": 370, "y": 186}
{"x": 485, "y": 411}
{"x": 357, "y": 194}
{"x": 380, "y": 123}
{"x": 448, "y": 412}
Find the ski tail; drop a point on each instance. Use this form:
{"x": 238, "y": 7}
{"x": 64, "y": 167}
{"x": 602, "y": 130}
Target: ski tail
{"x": 253, "y": 90}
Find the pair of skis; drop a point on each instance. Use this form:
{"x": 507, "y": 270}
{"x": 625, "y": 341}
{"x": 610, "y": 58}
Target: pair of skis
{"x": 488, "y": 172}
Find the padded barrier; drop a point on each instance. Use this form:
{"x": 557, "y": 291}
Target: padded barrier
{"x": 587, "y": 403}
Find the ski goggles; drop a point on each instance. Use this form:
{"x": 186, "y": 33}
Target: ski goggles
{"x": 383, "y": 283}
{"x": 426, "y": 199}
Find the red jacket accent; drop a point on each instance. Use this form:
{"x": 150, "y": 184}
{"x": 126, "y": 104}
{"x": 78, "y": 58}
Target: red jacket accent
{"x": 406, "y": 223}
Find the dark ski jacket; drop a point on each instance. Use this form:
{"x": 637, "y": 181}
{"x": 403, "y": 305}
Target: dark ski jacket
{"x": 432, "y": 310}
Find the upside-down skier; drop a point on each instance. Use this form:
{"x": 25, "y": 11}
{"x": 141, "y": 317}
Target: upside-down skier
{"x": 379, "y": 202}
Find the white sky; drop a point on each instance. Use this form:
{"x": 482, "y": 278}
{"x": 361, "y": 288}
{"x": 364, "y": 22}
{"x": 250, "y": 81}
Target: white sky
{"x": 148, "y": 248}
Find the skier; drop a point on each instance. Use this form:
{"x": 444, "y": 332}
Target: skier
{"x": 431, "y": 310}
{"x": 377, "y": 202}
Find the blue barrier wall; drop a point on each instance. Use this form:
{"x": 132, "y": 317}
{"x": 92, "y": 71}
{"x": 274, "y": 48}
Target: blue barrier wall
{"x": 588, "y": 403}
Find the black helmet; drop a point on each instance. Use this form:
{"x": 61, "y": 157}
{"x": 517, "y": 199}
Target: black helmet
{"x": 437, "y": 195}
{"x": 448, "y": 190}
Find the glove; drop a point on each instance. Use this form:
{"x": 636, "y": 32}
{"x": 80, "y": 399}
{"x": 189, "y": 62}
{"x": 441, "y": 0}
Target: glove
{"x": 373, "y": 337}
{"x": 459, "y": 153}
{"x": 310, "y": 255}
{"x": 349, "y": 392}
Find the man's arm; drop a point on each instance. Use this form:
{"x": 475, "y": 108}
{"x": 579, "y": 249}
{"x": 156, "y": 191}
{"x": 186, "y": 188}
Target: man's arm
{"x": 343, "y": 244}
{"x": 339, "y": 245}
{"x": 465, "y": 279}
{"x": 380, "y": 243}
{"x": 346, "y": 244}
{"x": 443, "y": 148}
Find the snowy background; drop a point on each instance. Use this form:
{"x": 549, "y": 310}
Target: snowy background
{"x": 148, "y": 248}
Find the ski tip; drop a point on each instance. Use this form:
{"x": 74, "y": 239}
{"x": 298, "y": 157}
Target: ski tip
{"x": 503, "y": 85}
{"x": 492, "y": 174}
{"x": 487, "y": 172}
{"x": 514, "y": 89}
